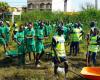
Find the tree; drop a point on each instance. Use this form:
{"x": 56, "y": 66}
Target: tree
{"x": 4, "y": 6}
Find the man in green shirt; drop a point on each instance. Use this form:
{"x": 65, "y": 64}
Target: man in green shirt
{"x": 30, "y": 41}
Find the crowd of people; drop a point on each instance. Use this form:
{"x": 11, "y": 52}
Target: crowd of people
{"x": 30, "y": 39}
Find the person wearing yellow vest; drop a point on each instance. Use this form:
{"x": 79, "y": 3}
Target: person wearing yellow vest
{"x": 75, "y": 39}
{"x": 59, "y": 55}
{"x": 92, "y": 26}
{"x": 93, "y": 47}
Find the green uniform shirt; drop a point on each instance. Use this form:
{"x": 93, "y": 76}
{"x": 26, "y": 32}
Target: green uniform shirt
{"x": 2, "y": 40}
{"x": 46, "y": 30}
{"x": 40, "y": 34}
{"x": 30, "y": 33}
{"x": 39, "y": 40}
{"x": 20, "y": 38}
{"x": 7, "y": 33}
{"x": 36, "y": 25}
{"x": 66, "y": 30}
{"x": 1, "y": 31}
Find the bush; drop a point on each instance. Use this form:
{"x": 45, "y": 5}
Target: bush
{"x": 84, "y": 16}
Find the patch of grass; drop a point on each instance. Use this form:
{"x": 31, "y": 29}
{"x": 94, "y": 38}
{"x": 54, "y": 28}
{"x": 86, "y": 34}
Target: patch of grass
{"x": 19, "y": 73}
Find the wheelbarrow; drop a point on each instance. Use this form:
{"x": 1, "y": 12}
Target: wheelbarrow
{"x": 91, "y": 73}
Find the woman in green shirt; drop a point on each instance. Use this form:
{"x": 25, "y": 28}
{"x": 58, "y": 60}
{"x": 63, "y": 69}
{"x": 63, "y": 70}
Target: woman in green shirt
{"x": 19, "y": 39}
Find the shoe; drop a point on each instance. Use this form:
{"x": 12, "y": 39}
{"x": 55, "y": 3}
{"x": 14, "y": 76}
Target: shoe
{"x": 38, "y": 66}
{"x": 65, "y": 78}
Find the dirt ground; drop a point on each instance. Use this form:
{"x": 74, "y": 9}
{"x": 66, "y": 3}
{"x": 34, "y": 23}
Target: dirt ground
{"x": 10, "y": 71}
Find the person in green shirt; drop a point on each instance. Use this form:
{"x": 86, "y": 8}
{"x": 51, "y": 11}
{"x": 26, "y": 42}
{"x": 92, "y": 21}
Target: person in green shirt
{"x": 19, "y": 39}
{"x": 48, "y": 28}
{"x": 2, "y": 36}
{"x": 30, "y": 41}
{"x": 39, "y": 42}
{"x": 15, "y": 29}
{"x": 7, "y": 33}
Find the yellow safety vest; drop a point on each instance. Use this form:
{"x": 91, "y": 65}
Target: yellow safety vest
{"x": 75, "y": 36}
{"x": 60, "y": 47}
{"x": 93, "y": 47}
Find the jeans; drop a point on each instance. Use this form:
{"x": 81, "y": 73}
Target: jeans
{"x": 74, "y": 48}
{"x": 92, "y": 57}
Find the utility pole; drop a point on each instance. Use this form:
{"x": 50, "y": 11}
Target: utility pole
{"x": 65, "y": 5}
{"x": 96, "y": 4}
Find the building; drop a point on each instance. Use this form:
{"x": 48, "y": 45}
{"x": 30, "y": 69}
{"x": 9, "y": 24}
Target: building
{"x": 62, "y": 5}
{"x": 59, "y": 5}
{"x": 53, "y": 5}
{"x": 39, "y": 4}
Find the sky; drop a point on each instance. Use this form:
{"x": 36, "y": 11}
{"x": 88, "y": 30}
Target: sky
{"x": 73, "y": 5}
{"x": 16, "y": 3}
{"x": 76, "y": 5}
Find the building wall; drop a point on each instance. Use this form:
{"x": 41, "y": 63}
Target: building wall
{"x": 58, "y": 5}
{"x": 39, "y": 4}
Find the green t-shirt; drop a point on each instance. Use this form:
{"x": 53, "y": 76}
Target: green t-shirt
{"x": 49, "y": 29}
{"x": 1, "y": 31}
{"x": 40, "y": 34}
{"x": 30, "y": 33}
{"x": 7, "y": 30}
{"x": 46, "y": 30}
{"x": 19, "y": 36}
{"x": 36, "y": 25}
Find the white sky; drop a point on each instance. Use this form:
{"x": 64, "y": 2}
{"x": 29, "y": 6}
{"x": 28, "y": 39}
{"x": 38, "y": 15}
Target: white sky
{"x": 73, "y": 5}
{"x": 76, "y": 5}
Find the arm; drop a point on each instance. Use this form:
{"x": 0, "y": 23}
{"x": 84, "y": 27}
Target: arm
{"x": 82, "y": 33}
{"x": 3, "y": 33}
{"x": 15, "y": 39}
{"x": 98, "y": 40}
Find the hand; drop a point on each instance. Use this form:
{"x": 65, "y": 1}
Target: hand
{"x": 28, "y": 37}
{"x": 46, "y": 37}
{"x": 18, "y": 43}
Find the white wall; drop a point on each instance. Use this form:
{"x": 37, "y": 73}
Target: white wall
{"x": 57, "y": 5}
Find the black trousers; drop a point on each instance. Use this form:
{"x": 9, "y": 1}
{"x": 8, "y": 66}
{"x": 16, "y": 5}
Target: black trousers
{"x": 74, "y": 48}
